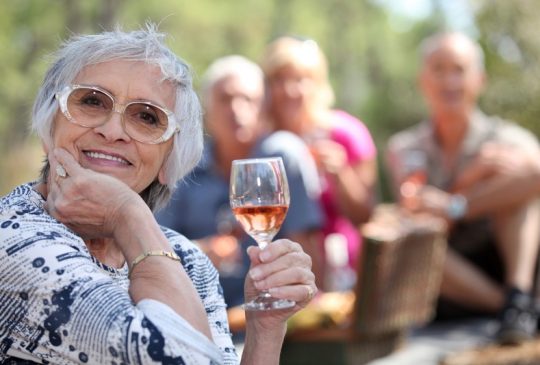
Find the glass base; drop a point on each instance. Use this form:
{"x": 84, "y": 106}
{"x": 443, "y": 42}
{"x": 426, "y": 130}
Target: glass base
{"x": 266, "y": 302}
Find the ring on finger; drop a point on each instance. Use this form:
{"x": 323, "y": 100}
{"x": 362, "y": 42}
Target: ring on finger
{"x": 61, "y": 171}
{"x": 311, "y": 292}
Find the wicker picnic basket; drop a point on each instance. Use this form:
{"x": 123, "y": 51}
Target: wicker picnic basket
{"x": 401, "y": 271}
{"x": 399, "y": 275}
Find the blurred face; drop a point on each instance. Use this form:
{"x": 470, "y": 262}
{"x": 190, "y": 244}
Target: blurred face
{"x": 108, "y": 149}
{"x": 291, "y": 92}
{"x": 451, "y": 79}
{"x": 233, "y": 109}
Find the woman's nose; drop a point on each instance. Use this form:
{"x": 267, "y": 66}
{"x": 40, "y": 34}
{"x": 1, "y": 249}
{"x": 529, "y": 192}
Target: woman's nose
{"x": 293, "y": 88}
{"x": 112, "y": 128}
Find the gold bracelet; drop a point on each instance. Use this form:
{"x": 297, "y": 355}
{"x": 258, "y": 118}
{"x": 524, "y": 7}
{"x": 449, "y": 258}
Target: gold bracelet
{"x": 169, "y": 254}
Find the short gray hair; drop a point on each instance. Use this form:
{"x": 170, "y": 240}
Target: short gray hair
{"x": 433, "y": 43}
{"x": 146, "y": 45}
{"x": 232, "y": 65}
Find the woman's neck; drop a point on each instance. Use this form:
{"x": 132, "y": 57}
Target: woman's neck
{"x": 41, "y": 188}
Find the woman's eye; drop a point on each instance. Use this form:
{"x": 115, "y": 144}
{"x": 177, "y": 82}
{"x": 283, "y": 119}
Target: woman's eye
{"x": 143, "y": 114}
{"x": 147, "y": 118}
{"x": 92, "y": 101}
{"x": 95, "y": 100}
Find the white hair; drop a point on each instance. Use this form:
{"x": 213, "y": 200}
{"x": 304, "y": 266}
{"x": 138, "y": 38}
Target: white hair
{"x": 433, "y": 43}
{"x": 233, "y": 65}
{"x": 146, "y": 45}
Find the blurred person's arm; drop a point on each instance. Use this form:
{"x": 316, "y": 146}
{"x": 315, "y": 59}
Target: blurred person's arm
{"x": 356, "y": 190}
{"x": 499, "y": 178}
{"x": 348, "y": 156}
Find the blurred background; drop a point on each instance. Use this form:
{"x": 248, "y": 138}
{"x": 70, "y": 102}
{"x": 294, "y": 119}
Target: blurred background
{"x": 371, "y": 46}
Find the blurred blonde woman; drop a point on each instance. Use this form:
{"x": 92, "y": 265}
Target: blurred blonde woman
{"x": 300, "y": 100}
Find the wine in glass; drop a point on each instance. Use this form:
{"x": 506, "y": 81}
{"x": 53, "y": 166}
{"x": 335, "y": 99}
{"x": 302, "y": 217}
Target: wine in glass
{"x": 259, "y": 196}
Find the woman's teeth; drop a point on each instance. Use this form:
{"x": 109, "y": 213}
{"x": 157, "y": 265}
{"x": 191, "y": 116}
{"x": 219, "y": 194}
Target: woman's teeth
{"x": 105, "y": 157}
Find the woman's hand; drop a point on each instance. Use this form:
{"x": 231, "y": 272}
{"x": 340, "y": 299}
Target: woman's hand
{"x": 284, "y": 269}
{"x": 329, "y": 155}
{"x": 90, "y": 203}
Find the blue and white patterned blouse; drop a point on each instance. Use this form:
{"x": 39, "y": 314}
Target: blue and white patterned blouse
{"x": 59, "y": 305}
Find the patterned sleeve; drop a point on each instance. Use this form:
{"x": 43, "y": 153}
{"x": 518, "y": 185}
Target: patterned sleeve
{"x": 59, "y": 306}
{"x": 206, "y": 281}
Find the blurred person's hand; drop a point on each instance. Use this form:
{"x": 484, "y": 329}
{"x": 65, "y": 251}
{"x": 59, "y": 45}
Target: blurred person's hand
{"x": 428, "y": 199}
{"x": 330, "y": 156}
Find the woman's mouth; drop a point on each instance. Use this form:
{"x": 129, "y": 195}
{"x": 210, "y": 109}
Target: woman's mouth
{"x": 105, "y": 156}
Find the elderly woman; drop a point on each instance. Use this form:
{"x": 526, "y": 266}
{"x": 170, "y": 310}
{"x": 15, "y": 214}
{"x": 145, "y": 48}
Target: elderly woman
{"x": 88, "y": 276}
{"x": 299, "y": 100}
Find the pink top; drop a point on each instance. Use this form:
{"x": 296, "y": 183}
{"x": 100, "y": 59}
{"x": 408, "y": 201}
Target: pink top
{"x": 352, "y": 134}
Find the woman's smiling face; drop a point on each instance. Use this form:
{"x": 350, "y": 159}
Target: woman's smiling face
{"x": 108, "y": 149}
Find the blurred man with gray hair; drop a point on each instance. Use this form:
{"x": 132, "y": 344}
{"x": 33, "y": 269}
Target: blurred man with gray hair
{"x": 471, "y": 164}
{"x": 232, "y": 93}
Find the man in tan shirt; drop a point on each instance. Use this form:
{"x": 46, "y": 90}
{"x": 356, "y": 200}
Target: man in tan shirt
{"x": 475, "y": 168}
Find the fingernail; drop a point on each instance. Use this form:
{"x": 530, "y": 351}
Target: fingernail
{"x": 255, "y": 273}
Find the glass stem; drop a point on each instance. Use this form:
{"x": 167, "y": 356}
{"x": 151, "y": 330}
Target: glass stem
{"x": 262, "y": 245}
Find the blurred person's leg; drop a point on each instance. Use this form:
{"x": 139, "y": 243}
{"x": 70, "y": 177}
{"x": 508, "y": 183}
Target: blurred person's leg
{"x": 466, "y": 289}
{"x": 473, "y": 274}
{"x": 518, "y": 238}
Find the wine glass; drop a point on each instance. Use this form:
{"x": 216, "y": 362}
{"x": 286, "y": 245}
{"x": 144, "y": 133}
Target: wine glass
{"x": 259, "y": 197}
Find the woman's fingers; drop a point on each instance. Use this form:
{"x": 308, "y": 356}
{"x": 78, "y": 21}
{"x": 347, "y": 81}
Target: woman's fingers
{"x": 301, "y": 294}
{"x": 284, "y": 269}
{"x": 67, "y": 161}
{"x": 289, "y": 276}
{"x": 277, "y": 256}
{"x": 279, "y": 248}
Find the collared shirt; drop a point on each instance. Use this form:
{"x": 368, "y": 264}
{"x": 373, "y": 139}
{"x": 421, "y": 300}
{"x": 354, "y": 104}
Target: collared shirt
{"x": 421, "y": 138}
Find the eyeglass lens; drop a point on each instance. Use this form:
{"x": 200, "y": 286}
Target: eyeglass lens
{"x": 92, "y": 108}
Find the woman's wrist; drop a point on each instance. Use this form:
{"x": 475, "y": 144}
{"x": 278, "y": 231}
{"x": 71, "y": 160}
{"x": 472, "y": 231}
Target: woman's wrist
{"x": 263, "y": 345}
{"x": 136, "y": 232}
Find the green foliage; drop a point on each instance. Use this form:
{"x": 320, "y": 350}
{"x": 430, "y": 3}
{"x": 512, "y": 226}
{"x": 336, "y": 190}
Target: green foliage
{"x": 372, "y": 62}
{"x": 508, "y": 34}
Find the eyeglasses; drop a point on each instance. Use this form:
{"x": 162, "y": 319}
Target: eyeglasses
{"x": 91, "y": 107}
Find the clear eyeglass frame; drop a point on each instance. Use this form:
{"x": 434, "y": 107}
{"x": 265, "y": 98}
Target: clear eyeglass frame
{"x": 63, "y": 96}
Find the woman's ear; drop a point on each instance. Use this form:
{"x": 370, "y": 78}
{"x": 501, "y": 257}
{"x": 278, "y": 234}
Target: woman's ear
{"x": 162, "y": 175}
{"x": 45, "y": 147}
